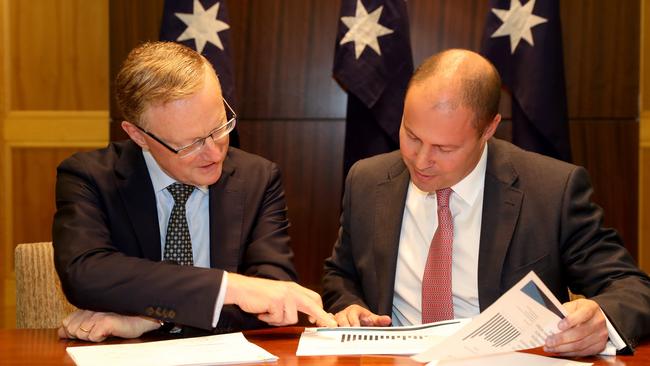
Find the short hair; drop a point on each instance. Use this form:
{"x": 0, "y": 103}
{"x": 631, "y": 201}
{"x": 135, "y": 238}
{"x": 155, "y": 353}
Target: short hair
{"x": 480, "y": 87}
{"x": 158, "y": 72}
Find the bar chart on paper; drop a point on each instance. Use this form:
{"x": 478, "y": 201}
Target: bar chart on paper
{"x": 498, "y": 331}
{"x": 372, "y": 340}
{"x": 520, "y": 319}
{"x": 355, "y": 337}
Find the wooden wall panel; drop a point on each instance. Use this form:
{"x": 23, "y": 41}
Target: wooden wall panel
{"x": 310, "y": 155}
{"x": 283, "y": 59}
{"x": 7, "y": 308}
{"x": 53, "y": 99}
{"x": 601, "y": 53}
{"x": 442, "y": 24}
{"x": 608, "y": 149}
{"x": 132, "y": 22}
{"x": 59, "y": 58}
{"x": 644, "y": 140}
{"x": 644, "y": 204}
{"x": 34, "y": 178}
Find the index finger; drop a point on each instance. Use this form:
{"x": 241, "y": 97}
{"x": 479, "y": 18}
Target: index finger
{"x": 310, "y": 307}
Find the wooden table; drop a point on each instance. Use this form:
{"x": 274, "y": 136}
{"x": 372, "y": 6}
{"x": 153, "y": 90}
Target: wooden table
{"x": 42, "y": 347}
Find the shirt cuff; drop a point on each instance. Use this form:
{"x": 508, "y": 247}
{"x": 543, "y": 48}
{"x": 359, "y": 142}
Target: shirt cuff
{"x": 220, "y": 299}
{"x": 615, "y": 341}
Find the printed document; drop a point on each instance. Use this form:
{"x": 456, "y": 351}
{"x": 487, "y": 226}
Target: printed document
{"x": 520, "y": 319}
{"x": 211, "y": 350}
{"x": 375, "y": 340}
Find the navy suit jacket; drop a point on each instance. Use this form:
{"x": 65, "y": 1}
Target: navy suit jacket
{"x": 537, "y": 215}
{"x": 107, "y": 241}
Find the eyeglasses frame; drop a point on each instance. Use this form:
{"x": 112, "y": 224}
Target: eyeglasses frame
{"x": 232, "y": 120}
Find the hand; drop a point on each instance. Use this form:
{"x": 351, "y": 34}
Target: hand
{"x": 582, "y": 333}
{"x": 95, "y": 326}
{"x": 276, "y": 302}
{"x": 355, "y": 316}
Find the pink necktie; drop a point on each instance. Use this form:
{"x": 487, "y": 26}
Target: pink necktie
{"x": 436, "y": 281}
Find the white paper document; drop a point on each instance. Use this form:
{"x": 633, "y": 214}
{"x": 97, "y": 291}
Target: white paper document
{"x": 375, "y": 340}
{"x": 211, "y": 350}
{"x": 520, "y": 319}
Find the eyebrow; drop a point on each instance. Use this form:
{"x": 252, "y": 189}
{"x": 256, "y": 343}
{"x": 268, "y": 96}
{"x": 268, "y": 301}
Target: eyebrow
{"x": 409, "y": 130}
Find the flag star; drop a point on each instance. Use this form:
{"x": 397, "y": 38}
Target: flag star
{"x": 517, "y": 22}
{"x": 364, "y": 29}
{"x": 202, "y": 26}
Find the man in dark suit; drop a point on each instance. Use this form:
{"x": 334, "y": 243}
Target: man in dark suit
{"x": 174, "y": 227}
{"x": 443, "y": 227}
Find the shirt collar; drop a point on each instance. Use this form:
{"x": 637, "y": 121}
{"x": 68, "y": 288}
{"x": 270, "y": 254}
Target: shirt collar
{"x": 469, "y": 187}
{"x": 159, "y": 178}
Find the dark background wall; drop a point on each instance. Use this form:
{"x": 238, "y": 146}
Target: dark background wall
{"x": 292, "y": 112}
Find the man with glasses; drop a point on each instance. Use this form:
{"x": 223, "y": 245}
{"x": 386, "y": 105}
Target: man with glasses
{"x": 174, "y": 227}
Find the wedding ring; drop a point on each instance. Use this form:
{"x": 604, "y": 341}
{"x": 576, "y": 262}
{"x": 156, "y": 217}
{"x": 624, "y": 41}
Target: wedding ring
{"x": 84, "y": 330}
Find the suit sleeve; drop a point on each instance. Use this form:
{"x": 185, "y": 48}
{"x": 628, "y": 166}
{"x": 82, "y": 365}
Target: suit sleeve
{"x": 598, "y": 265}
{"x": 96, "y": 275}
{"x": 341, "y": 282}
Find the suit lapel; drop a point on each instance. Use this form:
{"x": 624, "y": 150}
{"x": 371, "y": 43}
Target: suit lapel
{"x": 226, "y": 218}
{"x": 501, "y": 208}
{"x": 138, "y": 197}
{"x": 390, "y": 196}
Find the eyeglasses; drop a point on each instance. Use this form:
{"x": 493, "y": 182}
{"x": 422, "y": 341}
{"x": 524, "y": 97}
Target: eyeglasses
{"x": 196, "y": 146}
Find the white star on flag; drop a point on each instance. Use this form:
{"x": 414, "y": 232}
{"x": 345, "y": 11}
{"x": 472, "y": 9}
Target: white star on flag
{"x": 517, "y": 22}
{"x": 202, "y": 26}
{"x": 364, "y": 29}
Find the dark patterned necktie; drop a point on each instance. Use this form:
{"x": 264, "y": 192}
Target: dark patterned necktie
{"x": 178, "y": 244}
{"x": 437, "y": 302}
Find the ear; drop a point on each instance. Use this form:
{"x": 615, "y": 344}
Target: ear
{"x": 135, "y": 134}
{"x": 491, "y": 127}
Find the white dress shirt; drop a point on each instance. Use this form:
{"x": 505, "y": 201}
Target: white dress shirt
{"x": 419, "y": 223}
{"x": 197, "y": 210}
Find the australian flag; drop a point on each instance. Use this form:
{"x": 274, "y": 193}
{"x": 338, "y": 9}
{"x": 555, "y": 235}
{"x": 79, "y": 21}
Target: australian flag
{"x": 204, "y": 26}
{"x": 373, "y": 64}
{"x": 524, "y": 41}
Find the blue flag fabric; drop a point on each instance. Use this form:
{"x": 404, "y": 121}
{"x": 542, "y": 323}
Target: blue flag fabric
{"x": 203, "y": 25}
{"x": 372, "y": 63}
{"x": 523, "y": 39}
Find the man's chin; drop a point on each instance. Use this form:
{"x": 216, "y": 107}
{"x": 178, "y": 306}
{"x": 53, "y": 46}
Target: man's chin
{"x": 208, "y": 175}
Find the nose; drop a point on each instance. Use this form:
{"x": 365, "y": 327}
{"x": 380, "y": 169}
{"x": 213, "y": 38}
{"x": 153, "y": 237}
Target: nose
{"x": 424, "y": 158}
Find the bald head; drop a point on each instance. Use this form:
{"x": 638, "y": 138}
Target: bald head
{"x": 469, "y": 79}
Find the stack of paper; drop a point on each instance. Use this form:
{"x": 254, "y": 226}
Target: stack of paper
{"x": 211, "y": 350}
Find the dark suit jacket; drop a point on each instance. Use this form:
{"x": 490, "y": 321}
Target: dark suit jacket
{"x": 107, "y": 241}
{"x": 537, "y": 215}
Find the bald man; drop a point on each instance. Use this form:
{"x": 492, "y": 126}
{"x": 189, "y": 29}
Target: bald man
{"x": 444, "y": 226}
